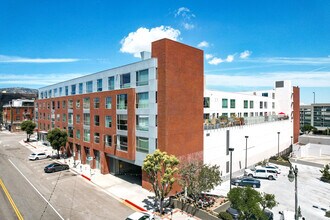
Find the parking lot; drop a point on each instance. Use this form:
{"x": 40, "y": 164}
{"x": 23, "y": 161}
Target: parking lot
{"x": 311, "y": 192}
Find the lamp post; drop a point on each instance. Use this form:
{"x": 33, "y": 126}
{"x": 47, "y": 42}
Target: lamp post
{"x": 293, "y": 173}
{"x": 291, "y": 141}
{"x": 278, "y": 144}
{"x": 231, "y": 165}
{"x": 246, "y": 139}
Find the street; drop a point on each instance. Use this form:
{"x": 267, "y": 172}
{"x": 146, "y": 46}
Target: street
{"x": 39, "y": 195}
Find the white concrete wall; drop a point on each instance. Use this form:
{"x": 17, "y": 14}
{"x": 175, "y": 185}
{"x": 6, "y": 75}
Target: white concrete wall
{"x": 311, "y": 150}
{"x": 262, "y": 143}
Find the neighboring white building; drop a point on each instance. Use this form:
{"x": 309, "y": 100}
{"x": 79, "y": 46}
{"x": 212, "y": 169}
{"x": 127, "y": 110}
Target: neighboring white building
{"x": 267, "y": 127}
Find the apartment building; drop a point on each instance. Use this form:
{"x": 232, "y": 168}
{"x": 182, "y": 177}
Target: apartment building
{"x": 118, "y": 116}
{"x": 17, "y": 111}
{"x": 317, "y": 115}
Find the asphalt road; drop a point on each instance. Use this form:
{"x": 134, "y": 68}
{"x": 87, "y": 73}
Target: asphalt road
{"x": 60, "y": 195}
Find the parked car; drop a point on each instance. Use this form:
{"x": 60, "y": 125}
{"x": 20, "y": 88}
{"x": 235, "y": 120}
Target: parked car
{"x": 54, "y": 167}
{"x": 233, "y": 212}
{"x": 261, "y": 172}
{"x": 272, "y": 167}
{"x": 141, "y": 216}
{"x": 246, "y": 181}
{"x": 37, "y": 156}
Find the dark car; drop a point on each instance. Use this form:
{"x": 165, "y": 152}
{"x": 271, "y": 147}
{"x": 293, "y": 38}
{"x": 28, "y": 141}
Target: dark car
{"x": 54, "y": 167}
{"x": 246, "y": 181}
{"x": 235, "y": 214}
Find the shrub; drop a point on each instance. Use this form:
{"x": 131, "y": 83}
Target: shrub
{"x": 326, "y": 173}
{"x": 225, "y": 216}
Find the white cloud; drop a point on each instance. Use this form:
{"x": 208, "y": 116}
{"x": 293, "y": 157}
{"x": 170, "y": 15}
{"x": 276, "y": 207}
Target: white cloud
{"x": 230, "y": 58}
{"x": 215, "y": 61}
{"x": 15, "y": 59}
{"x": 203, "y": 44}
{"x": 291, "y": 60}
{"x": 245, "y": 54}
{"x": 141, "y": 39}
{"x": 309, "y": 79}
{"x": 36, "y": 79}
{"x": 208, "y": 56}
{"x": 186, "y": 16}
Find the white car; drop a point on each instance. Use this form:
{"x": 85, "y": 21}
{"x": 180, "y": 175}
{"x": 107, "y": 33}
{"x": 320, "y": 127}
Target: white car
{"x": 141, "y": 216}
{"x": 261, "y": 172}
{"x": 38, "y": 156}
{"x": 271, "y": 166}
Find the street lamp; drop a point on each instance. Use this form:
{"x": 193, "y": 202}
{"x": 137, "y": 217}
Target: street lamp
{"x": 246, "y": 139}
{"x": 291, "y": 141}
{"x": 278, "y": 144}
{"x": 231, "y": 165}
{"x": 293, "y": 173}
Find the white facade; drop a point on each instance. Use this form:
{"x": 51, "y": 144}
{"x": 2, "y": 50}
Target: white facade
{"x": 271, "y": 133}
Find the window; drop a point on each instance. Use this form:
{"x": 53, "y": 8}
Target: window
{"x": 77, "y": 119}
{"x": 264, "y": 94}
{"x": 86, "y": 103}
{"x": 70, "y": 118}
{"x": 58, "y": 117}
{"x": 273, "y": 105}
{"x": 42, "y": 95}
{"x": 73, "y": 89}
{"x": 108, "y": 101}
{"x": 63, "y": 104}
{"x": 99, "y": 85}
{"x": 122, "y": 101}
{"x": 78, "y": 104}
{"x": 89, "y": 86}
{"x": 58, "y": 104}
{"x": 70, "y": 132}
{"x": 206, "y": 102}
{"x": 55, "y": 92}
{"x": 251, "y": 104}
{"x": 142, "y": 144}
{"x": 232, "y": 103}
{"x": 125, "y": 80}
{"x": 265, "y": 104}
{"x": 96, "y": 102}
{"x": 142, "y": 78}
{"x": 96, "y": 137}
{"x": 96, "y": 120}
{"x": 260, "y": 105}
{"x": 111, "y": 83}
{"x": 142, "y": 100}
{"x": 108, "y": 121}
{"x": 224, "y": 103}
{"x": 246, "y": 114}
{"x": 80, "y": 88}
{"x": 142, "y": 122}
{"x": 87, "y": 119}
{"x": 64, "y": 117}
{"x": 61, "y": 91}
{"x": 50, "y": 93}
{"x": 86, "y": 135}
{"x": 246, "y": 104}
{"x": 70, "y": 104}
{"x": 78, "y": 134}
{"x": 122, "y": 142}
{"x": 108, "y": 140}
{"x": 122, "y": 122}
{"x": 66, "y": 90}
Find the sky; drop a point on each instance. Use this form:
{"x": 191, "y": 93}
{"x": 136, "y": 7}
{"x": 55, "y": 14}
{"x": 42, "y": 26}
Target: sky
{"x": 247, "y": 45}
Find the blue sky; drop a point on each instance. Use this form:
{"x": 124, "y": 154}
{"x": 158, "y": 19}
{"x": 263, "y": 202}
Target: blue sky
{"x": 247, "y": 44}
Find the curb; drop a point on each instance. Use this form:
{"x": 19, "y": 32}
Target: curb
{"x": 86, "y": 177}
{"x": 134, "y": 205}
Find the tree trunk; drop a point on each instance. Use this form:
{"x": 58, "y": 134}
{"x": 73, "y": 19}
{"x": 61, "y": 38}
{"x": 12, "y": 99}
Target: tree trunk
{"x": 161, "y": 201}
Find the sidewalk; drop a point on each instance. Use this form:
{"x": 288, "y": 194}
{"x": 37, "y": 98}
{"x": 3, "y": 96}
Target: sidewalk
{"x": 131, "y": 194}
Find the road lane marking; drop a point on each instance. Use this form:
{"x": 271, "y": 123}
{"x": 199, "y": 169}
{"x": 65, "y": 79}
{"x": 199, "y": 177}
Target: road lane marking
{"x": 12, "y": 203}
{"x": 36, "y": 190}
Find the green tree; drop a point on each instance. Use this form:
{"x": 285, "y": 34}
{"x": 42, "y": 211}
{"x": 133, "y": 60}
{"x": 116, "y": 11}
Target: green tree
{"x": 57, "y": 139}
{"x": 249, "y": 201}
{"x": 325, "y": 173}
{"x": 28, "y": 126}
{"x": 160, "y": 169}
{"x": 268, "y": 201}
{"x": 196, "y": 177}
{"x": 307, "y": 129}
